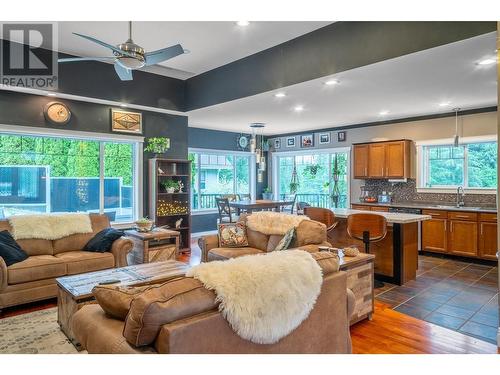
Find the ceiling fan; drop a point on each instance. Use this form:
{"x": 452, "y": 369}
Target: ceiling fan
{"x": 129, "y": 56}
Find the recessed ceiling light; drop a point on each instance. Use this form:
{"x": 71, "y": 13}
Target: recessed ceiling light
{"x": 243, "y": 23}
{"x": 383, "y": 113}
{"x": 331, "y": 82}
{"x": 123, "y": 105}
{"x": 444, "y": 104}
{"x": 280, "y": 95}
{"x": 487, "y": 61}
{"x": 298, "y": 108}
{"x": 51, "y": 94}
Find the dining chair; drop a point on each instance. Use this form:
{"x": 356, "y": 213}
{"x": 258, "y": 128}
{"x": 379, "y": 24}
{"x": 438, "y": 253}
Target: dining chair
{"x": 368, "y": 228}
{"x": 244, "y": 197}
{"x": 323, "y": 215}
{"x": 225, "y": 214}
{"x": 289, "y": 207}
{"x": 301, "y": 206}
{"x": 230, "y": 197}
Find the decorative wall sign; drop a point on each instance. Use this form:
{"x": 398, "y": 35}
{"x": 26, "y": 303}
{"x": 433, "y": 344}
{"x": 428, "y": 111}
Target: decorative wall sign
{"x": 307, "y": 140}
{"x": 57, "y": 113}
{"x": 126, "y": 122}
{"x": 290, "y": 142}
{"x": 324, "y": 138}
{"x": 277, "y": 144}
{"x": 341, "y": 136}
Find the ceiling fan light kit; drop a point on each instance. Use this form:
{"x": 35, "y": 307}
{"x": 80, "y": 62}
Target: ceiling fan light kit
{"x": 129, "y": 56}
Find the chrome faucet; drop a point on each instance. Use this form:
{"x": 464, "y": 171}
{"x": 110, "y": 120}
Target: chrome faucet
{"x": 460, "y": 197}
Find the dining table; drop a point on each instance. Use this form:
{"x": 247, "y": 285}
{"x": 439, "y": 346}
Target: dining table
{"x": 259, "y": 204}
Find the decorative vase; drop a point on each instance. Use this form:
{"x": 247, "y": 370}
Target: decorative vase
{"x": 171, "y": 190}
{"x": 267, "y": 196}
{"x": 144, "y": 226}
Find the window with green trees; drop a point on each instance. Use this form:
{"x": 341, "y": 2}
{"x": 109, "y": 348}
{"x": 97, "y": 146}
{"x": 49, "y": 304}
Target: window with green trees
{"x": 471, "y": 165}
{"x": 63, "y": 174}
{"x": 217, "y": 173}
{"x": 322, "y": 177}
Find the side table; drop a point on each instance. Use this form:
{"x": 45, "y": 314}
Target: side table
{"x": 157, "y": 245}
{"x": 360, "y": 279}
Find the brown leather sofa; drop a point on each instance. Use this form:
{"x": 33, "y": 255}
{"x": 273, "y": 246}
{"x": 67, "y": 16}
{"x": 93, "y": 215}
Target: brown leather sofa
{"x": 182, "y": 317}
{"x": 309, "y": 236}
{"x": 34, "y": 278}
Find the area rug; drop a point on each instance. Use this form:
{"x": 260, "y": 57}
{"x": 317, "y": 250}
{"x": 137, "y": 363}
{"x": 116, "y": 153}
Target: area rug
{"x": 34, "y": 333}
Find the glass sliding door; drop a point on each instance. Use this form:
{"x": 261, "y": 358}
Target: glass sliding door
{"x": 323, "y": 177}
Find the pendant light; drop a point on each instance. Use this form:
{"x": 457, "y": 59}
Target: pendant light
{"x": 456, "y": 139}
{"x": 257, "y": 144}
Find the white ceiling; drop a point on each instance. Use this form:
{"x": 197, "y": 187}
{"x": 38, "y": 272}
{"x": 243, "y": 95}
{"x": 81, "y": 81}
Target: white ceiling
{"x": 211, "y": 44}
{"x": 407, "y": 86}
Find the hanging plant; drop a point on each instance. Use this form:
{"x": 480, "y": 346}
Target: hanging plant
{"x": 294, "y": 183}
{"x": 312, "y": 169}
{"x": 335, "y": 188}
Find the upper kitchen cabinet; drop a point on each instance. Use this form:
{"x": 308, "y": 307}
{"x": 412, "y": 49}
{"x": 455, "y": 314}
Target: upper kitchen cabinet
{"x": 391, "y": 160}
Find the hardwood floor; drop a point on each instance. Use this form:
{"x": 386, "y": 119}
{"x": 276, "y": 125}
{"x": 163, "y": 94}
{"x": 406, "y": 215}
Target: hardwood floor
{"x": 390, "y": 332}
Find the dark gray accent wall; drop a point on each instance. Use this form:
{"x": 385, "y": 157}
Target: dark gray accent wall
{"x": 334, "y": 48}
{"x": 27, "y": 110}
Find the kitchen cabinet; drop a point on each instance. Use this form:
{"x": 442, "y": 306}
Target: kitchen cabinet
{"x": 488, "y": 245}
{"x": 392, "y": 159}
{"x": 379, "y": 209}
{"x": 360, "y": 161}
{"x": 434, "y": 236}
{"x": 360, "y": 207}
{"x": 462, "y": 237}
{"x": 376, "y": 160}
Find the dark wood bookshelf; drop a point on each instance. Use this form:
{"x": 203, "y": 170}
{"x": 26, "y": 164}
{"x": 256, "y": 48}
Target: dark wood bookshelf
{"x": 163, "y": 205}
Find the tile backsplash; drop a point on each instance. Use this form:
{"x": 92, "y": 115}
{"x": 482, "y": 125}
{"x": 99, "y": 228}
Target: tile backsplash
{"x": 407, "y": 191}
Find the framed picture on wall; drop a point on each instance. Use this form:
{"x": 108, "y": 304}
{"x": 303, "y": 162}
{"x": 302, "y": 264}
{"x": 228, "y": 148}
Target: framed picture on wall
{"x": 126, "y": 122}
{"x": 324, "y": 138}
{"x": 307, "y": 140}
{"x": 290, "y": 142}
{"x": 277, "y": 144}
{"x": 341, "y": 136}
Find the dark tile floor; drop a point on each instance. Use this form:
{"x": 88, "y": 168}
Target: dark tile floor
{"x": 454, "y": 294}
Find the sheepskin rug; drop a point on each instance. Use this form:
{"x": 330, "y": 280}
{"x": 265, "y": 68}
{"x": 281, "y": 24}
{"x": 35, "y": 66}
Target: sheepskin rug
{"x": 269, "y": 222}
{"x": 49, "y": 226}
{"x": 263, "y": 297}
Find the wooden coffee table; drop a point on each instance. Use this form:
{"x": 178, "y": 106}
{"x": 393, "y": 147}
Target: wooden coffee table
{"x": 155, "y": 246}
{"x": 76, "y": 291}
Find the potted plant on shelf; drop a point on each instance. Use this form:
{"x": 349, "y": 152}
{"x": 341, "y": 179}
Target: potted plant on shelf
{"x": 171, "y": 186}
{"x": 144, "y": 224}
{"x": 267, "y": 194}
{"x": 157, "y": 145}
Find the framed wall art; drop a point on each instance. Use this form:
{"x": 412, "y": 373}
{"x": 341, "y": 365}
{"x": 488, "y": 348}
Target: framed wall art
{"x": 307, "y": 140}
{"x": 126, "y": 122}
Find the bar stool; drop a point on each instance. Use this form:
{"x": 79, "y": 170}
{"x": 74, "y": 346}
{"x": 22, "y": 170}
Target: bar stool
{"x": 323, "y": 215}
{"x": 367, "y": 228}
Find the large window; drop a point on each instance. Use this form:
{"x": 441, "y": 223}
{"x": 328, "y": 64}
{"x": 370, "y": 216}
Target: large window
{"x": 217, "y": 173}
{"x": 322, "y": 177}
{"x": 55, "y": 174}
{"x": 471, "y": 165}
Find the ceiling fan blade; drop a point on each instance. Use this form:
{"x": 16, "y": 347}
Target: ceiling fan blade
{"x": 124, "y": 73}
{"x": 155, "y": 57}
{"x": 104, "y": 44}
{"x": 72, "y": 59}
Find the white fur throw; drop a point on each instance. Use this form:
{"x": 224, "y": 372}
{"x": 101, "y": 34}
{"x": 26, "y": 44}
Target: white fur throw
{"x": 268, "y": 222}
{"x": 49, "y": 226}
{"x": 263, "y": 297}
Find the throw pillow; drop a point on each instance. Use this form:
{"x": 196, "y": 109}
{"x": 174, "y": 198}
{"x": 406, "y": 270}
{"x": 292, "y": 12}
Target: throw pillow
{"x": 115, "y": 300}
{"x": 10, "y": 250}
{"x": 233, "y": 235}
{"x": 103, "y": 240}
{"x": 286, "y": 240}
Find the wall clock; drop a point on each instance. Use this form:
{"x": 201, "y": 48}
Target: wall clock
{"x": 57, "y": 113}
{"x": 242, "y": 141}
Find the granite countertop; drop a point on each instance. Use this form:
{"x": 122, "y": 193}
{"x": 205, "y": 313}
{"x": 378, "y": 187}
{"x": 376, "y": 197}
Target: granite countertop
{"x": 392, "y": 217}
{"x": 432, "y": 206}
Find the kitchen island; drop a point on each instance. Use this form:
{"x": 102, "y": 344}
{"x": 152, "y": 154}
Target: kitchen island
{"x": 396, "y": 256}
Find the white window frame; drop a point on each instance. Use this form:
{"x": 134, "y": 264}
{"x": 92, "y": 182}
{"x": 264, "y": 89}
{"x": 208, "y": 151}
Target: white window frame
{"x": 252, "y": 176}
{"x": 421, "y": 188}
{"x": 276, "y": 172}
{"x": 138, "y": 143}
